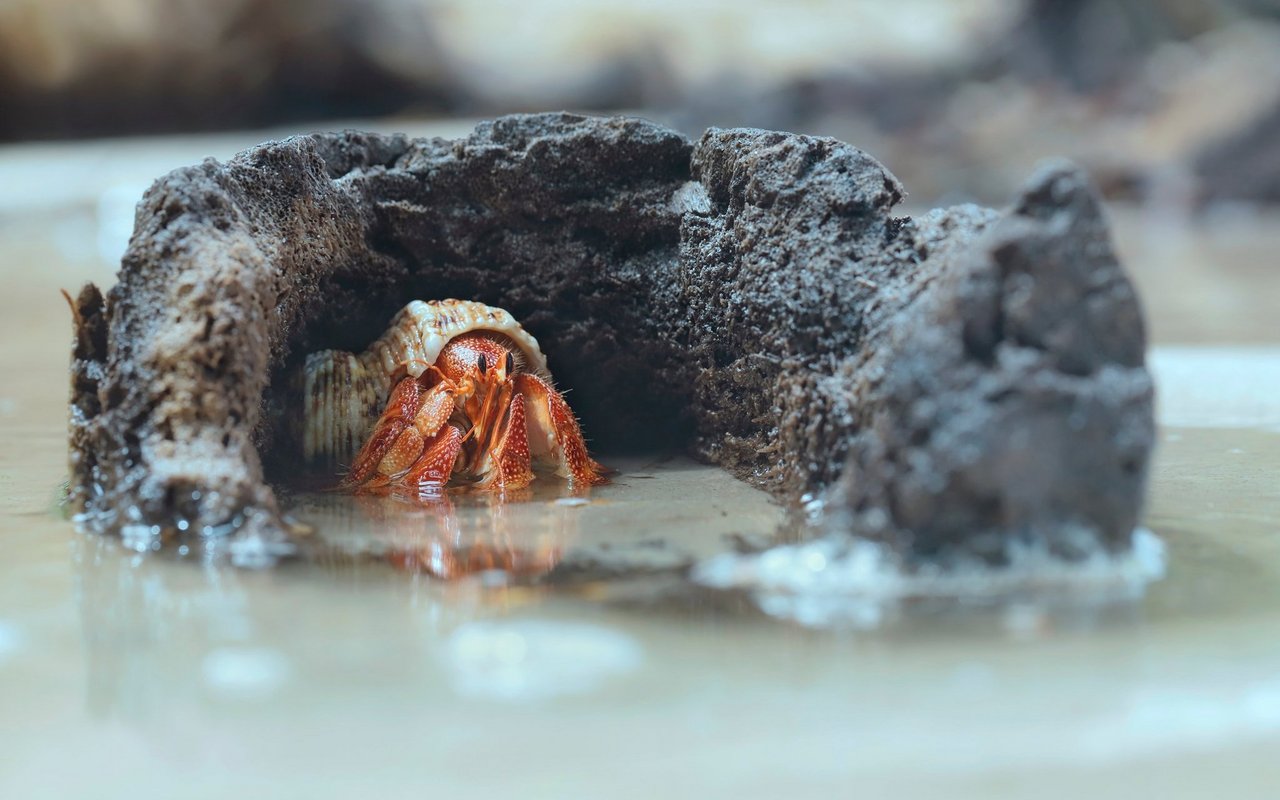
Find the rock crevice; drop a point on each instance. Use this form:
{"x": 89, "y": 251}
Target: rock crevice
{"x": 946, "y": 382}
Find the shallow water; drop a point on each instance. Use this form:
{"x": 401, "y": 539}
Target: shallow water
{"x": 318, "y": 675}
{"x": 123, "y": 675}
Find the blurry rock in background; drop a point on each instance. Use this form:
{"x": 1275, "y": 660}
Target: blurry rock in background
{"x": 1171, "y": 102}
{"x": 1164, "y": 101}
{"x": 78, "y": 68}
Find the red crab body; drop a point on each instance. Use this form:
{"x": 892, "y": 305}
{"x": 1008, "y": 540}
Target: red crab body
{"x": 476, "y": 416}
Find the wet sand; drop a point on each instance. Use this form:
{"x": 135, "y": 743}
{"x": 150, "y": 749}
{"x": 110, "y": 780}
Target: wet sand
{"x": 126, "y": 675}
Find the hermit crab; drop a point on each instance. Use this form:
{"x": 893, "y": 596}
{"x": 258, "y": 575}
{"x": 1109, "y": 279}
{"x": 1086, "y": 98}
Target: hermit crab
{"x": 465, "y": 398}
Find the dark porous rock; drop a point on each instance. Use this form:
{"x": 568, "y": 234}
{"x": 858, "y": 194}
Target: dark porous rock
{"x": 1006, "y": 401}
{"x": 949, "y": 381}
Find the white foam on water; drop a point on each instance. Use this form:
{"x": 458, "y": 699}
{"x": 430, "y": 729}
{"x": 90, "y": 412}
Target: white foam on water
{"x": 833, "y": 582}
{"x": 115, "y": 218}
{"x": 245, "y": 672}
{"x": 140, "y": 538}
{"x": 11, "y": 640}
{"x": 1217, "y": 387}
{"x": 523, "y": 660}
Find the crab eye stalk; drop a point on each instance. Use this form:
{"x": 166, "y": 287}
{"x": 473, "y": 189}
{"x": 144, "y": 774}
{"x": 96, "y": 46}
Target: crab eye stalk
{"x": 511, "y": 363}
{"x": 482, "y": 363}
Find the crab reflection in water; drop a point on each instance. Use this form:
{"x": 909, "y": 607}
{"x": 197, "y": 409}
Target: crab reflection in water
{"x": 516, "y": 536}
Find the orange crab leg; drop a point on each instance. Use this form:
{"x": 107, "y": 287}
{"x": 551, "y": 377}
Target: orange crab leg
{"x": 511, "y": 460}
{"x": 554, "y": 433}
{"x": 490, "y": 426}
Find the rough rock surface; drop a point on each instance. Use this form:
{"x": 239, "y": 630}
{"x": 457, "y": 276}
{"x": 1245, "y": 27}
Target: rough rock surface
{"x": 1007, "y": 398}
{"x": 950, "y": 381}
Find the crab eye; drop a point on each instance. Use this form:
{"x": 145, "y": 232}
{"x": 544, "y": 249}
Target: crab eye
{"x": 511, "y": 363}
{"x": 482, "y": 364}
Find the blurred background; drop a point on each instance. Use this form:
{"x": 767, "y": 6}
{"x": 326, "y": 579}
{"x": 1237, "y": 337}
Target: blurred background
{"x": 1168, "y": 101}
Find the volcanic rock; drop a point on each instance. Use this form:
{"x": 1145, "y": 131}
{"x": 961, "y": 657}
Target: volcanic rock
{"x": 945, "y": 383}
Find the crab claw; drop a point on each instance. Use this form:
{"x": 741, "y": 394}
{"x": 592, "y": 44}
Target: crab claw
{"x": 386, "y": 437}
{"x": 554, "y": 434}
{"x": 407, "y": 440}
{"x": 433, "y": 467}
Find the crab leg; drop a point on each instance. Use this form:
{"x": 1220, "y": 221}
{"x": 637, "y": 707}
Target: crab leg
{"x": 510, "y": 459}
{"x": 554, "y": 434}
{"x": 489, "y": 429}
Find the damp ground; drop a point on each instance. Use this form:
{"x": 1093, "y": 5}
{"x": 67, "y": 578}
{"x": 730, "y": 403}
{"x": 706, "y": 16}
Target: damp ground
{"x": 568, "y": 655}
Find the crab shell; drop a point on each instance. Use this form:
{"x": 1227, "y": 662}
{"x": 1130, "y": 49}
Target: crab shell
{"x": 345, "y": 392}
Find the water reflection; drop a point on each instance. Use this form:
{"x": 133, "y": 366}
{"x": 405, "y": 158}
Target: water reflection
{"x": 511, "y": 537}
{"x": 147, "y": 626}
{"x": 167, "y": 635}
{"x": 342, "y": 660}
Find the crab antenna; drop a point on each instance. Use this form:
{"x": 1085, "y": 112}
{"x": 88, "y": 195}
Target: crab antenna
{"x": 409, "y": 361}
{"x": 75, "y": 311}
{"x": 430, "y": 367}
